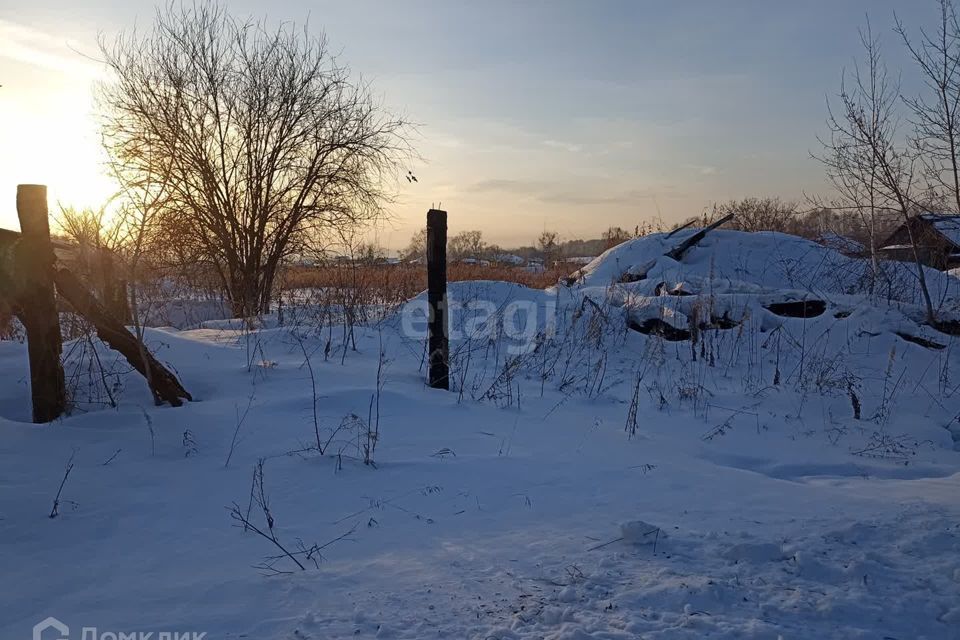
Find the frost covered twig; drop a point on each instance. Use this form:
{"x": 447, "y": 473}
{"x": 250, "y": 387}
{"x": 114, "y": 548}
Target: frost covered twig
{"x": 373, "y": 414}
{"x": 111, "y": 458}
{"x": 311, "y": 553}
{"x": 631, "y": 426}
{"x": 236, "y": 431}
{"x": 258, "y": 494}
{"x": 153, "y": 435}
{"x": 55, "y": 511}
{"x": 237, "y": 515}
{"x": 313, "y": 388}
{"x": 302, "y": 551}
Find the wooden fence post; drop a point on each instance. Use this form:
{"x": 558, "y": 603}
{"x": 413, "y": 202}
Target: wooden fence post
{"x": 438, "y": 343}
{"x": 35, "y": 259}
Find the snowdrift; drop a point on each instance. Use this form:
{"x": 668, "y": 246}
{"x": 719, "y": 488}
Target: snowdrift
{"x": 738, "y": 262}
{"x": 730, "y": 276}
{"x": 782, "y": 465}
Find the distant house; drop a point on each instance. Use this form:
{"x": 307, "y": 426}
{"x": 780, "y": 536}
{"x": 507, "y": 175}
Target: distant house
{"x": 579, "y": 259}
{"x": 937, "y": 236}
{"x": 535, "y": 265}
{"x": 509, "y": 258}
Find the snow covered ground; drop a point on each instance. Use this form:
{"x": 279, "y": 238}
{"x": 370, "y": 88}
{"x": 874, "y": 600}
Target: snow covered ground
{"x": 581, "y": 480}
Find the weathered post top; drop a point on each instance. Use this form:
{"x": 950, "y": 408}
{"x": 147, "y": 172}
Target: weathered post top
{"x": 437, "y": 218}
{"x": 32, "y": 210}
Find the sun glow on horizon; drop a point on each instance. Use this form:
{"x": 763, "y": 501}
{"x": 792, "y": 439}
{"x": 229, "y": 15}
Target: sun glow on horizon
{"x": 49, "y": 133}
{"x": 64, "y": 154}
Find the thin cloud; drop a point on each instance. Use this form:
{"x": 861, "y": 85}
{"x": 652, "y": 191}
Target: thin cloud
{"x": 566, "y": 146}
{"x": 558, "y": 193}
{"x": 702, "y": 169}
{"x": 501, "y": 185}
{"x": 632, "y": 196}
{"x": 39, "y": 49}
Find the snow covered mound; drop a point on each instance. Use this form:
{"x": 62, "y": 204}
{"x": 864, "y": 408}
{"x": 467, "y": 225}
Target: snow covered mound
{"x": 726, "y": 262}
{"x": 673, "y": 288}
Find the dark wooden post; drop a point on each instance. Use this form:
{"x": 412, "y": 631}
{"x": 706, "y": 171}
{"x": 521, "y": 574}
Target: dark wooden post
{"x": 38, "y": 308}
{"x": 439, "y": 343}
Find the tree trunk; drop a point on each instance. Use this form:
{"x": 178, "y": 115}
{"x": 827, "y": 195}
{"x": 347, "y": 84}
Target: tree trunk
{"x": 269, "y": 278}
{"x": 244, "y": 301}
{"x": 931, "y": 316}
{"x": 114, "y": 291}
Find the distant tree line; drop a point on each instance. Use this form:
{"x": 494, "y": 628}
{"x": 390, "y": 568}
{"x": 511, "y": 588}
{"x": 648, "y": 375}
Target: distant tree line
{"x": 549, "y": 247}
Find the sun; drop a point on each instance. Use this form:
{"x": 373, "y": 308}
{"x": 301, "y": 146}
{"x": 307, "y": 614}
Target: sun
{"x": 49, "y": 135}
{"x": 70, "y": 161}
{"x": 65, "y": 156}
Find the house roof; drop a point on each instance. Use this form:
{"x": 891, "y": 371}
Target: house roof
{"x": 946, "y": 225}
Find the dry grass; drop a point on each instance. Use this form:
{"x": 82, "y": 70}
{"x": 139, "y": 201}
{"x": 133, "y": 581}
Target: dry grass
{"x": 342, "y": 285}
{"x": 402, "y": 282}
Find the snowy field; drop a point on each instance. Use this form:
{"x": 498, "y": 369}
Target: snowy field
{"x": 581, "y": 479}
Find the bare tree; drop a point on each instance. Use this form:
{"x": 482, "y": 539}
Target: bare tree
{"x": 759, "y": 214}
{"x": 872, "y": 166}
{"x": 549, "y": 245}
{"x": 417, "y": 248}
{"x": 937, "y": 118}
{"x": 614, "y": 236}
{"x": 467, "y": 244}
{"x": 258, "y": 135}
{"x": 99, "y": 239}
{"x": 88, "y": 228}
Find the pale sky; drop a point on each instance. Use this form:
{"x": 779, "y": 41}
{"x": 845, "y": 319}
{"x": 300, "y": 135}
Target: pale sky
{"x": 570, "y": 116}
